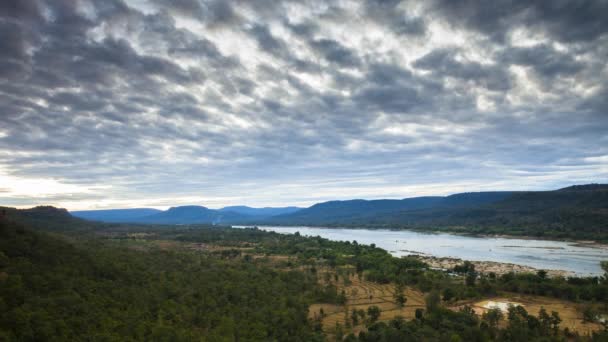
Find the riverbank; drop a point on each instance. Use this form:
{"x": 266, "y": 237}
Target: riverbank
{"x": 531, "y": 254}
{"x": 487, "y": 267}
{"x": 459, "y": 231}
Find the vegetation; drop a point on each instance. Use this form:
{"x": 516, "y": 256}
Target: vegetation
{"x": 53, "y": 290}
{"x": 74, "y": 280}
{"x": 441, "y": 324}
{"x": 577, "y": 212}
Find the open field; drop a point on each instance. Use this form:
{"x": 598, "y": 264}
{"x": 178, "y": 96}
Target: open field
{"x": 362, "y": 294}
{"x": 570, "y": 313}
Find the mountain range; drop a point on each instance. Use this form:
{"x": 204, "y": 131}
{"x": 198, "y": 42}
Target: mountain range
{"x": 581, "y": 208}
{"x": 189, "y": 214}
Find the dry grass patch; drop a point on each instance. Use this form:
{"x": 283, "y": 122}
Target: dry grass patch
{"x": 570, "y": 313}
{"x": 362, "y": 294}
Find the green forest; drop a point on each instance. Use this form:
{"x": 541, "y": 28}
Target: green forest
{"x": 63, "y": 279}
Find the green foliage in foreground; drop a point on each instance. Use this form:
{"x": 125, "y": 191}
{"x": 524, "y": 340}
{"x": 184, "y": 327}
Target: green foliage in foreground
{"x": 377, "y": 265}
{"x": 51, "y": 290}
{"x": 112, "y": 284}
{"x": 445, "y": 325}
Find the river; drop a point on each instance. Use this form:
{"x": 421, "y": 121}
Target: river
{"x": 541, "y": 254}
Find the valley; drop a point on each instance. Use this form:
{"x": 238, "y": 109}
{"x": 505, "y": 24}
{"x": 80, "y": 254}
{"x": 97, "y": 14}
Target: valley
{"x": 201, "y": 280}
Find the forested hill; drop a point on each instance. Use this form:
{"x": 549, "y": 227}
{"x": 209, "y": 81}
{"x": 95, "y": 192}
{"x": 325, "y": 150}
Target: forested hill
{"x": 92, "y": 290}
{"x": 259, "y": 212}
{"x": 362, "y": 211}
{"x": 188, "y": 214}
{"x": 46, "y": 218}
{"x": 116, "y": 215}
{"x": 579, "y": 212}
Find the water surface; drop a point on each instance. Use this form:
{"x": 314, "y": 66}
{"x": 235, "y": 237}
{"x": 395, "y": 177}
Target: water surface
{"x": 542, "y": 254}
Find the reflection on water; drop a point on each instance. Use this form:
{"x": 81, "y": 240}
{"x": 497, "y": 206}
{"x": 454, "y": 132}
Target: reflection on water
{"x": 557, "y": 255}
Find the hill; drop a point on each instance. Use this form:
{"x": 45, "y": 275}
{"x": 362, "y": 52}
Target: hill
{"x": 115, "y": 215}
{"x": 189, "y": 214}
{"x": 577, "y": 212}
{"x": 260, "y": 212}
{"x": 351, "y": 211}
{"x": 192, "y": 214}
{"x": 363, "y": 211}
{"x": 46, "y": 218}
{"x": 57, "y": 288}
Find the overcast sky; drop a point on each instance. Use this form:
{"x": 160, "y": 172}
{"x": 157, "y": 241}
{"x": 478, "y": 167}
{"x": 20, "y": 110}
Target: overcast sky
{"x": 155, "y": 103}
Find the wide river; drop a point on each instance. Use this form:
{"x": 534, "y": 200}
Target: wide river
{"x": 542, "y": 254}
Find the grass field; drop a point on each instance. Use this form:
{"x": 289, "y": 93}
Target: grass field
{"x": 570, "y": 313}
{"x": 362, "y": 294}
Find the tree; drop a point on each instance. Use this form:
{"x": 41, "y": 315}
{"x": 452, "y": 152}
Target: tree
{"x": 492, "y": 317}
{"x": 448, "y": 294}
{"x": 589, "y": 314}
{"x": 361, "y": 314}
{"x": 545, "y": 320}
{"x": 400, "y": 299}
{"x": 354, "y": 316}
{"x": 342, "y": 297}
{"x": 374, "y": 313}
{"x": 432, "y": 301}
{"x": 542, "y": 274}
{"x": 339, "y": 332}
{"x": 3, "y": 260}
{"x": 466, "y": 267}
{"x": 555, "y": 321}
{"x": 470, "y": 278}
{"x": 518, "y": 327}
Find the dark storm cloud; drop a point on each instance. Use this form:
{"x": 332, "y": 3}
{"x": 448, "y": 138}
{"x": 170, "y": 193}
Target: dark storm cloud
{"x": 390, "y": 13}
{"x": 335, "y": 52}
{"x": 22, "y": 10}
{"x": 544, "y": 59}
{"x": 232, "y": 101}
{"x": 266, "y": 40}
{"x": 564, "y": 20}
{"x": 213, "y": 13}
{"x": 278, "y": 48}
{"x": 306, "y": 30}
{"x": 442, "y": 62}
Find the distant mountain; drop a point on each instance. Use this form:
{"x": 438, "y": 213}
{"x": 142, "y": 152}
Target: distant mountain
{"x": 364, "y": 211}
{"x": 467, "y": 199}
{"x": 259, "y": 212}
{"x": 192, "y": 214}
{"x": 351, "y": 211}
{"x": 115, "y": 215}
{"x": 577, "y": 212}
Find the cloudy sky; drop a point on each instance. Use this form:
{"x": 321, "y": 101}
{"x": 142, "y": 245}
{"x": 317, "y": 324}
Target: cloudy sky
{"x": 154, "y": 103}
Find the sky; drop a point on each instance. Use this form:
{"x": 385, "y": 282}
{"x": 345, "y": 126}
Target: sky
{"x": 158, "y": 103}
